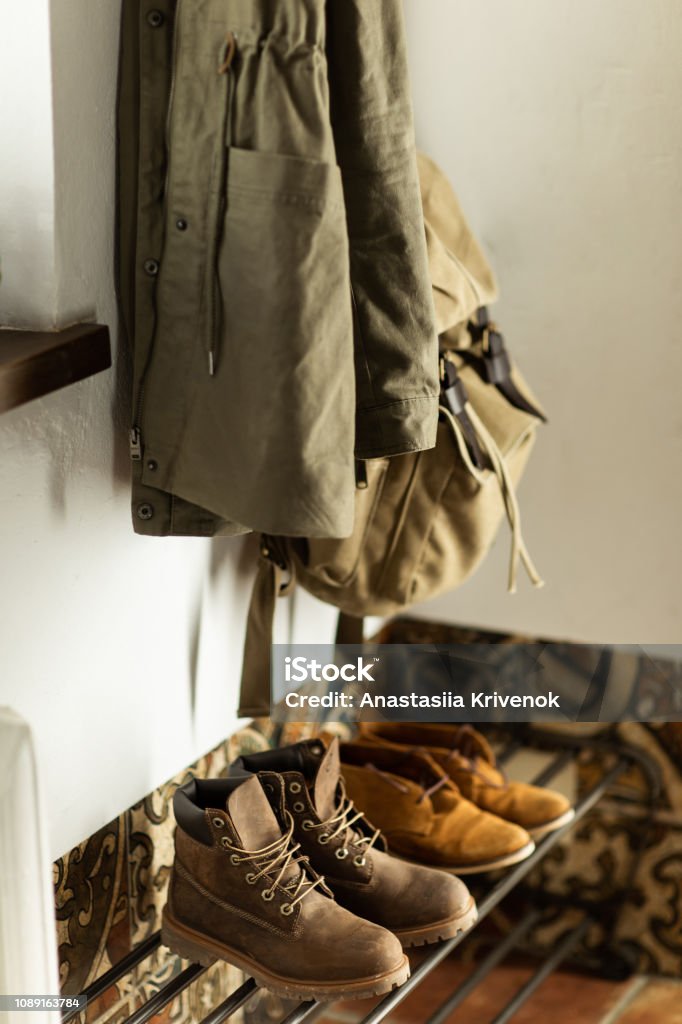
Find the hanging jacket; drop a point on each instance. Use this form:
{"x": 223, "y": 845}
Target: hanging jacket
{"x": 273, "y": 277}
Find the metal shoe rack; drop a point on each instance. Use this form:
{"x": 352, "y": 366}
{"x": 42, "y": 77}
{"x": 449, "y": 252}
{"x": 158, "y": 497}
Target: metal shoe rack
{"x": 566, "y": 751}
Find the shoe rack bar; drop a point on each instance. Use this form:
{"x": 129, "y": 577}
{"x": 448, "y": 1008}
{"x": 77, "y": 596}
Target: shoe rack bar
{"x": 554, "y": 960}
{"x": 560, "y": 762}
{"x": 307, "y": 1012}
{"x": 233, "y": 1003}
{"x": 608, "y": 743}
{"x": 127, "y": 964}
{"x": 166, "y": 994}
{"x": 495, "y": 957}
{"x": 506, "y": 755}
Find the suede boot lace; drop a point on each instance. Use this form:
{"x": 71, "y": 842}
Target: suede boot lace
{"x": 277, "y": 858}
{"x": 341, "y": 823}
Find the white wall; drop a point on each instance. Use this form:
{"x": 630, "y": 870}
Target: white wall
{"x": 84, "y": 61}
{"x": 27, "y": 256}
{"x": 559, "y": 124}
{"x": 122, "y": 653}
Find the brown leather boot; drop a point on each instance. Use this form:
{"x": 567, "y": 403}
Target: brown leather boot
{"x": 466, "y": 756}
{"x": 418, "y": 904}
{"x": 423, "y": 814}
{"x": 241, "y": 891}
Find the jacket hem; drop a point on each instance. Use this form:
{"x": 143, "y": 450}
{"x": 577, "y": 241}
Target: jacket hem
{"x": 197, "y": 508}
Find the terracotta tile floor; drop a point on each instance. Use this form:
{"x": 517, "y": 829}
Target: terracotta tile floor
{"x": 565, "y": 998}
{"x": 657, "y": 1001}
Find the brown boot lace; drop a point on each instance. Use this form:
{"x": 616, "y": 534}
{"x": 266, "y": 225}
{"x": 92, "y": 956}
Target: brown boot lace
{"x": 279, "y": 857}
{"x": 427, "y": 790}
{"x": 465, "y": 750}
{"x": 345, "y": 816}
{"x": 466, "y": 742}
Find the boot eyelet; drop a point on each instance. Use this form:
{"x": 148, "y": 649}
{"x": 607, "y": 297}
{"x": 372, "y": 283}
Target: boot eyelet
{"x": 234, "y": 859}
{"x": 295, "y": 787}
{"x": 323, "y": 840}
{"x": 225, "y": 843}
{"x": 341, "y": 853}
{"x": 299, "y": 807}
{"x": 307, "y": 825}
{"x": 359, "y": 861}
{"x": 267, "y": 895}
{"x": 286, "y": 909}
{"x": 218, "y": 822}
{"x": 250, "y": 878}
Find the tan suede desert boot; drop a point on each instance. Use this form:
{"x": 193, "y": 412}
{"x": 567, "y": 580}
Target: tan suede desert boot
{"x": 422, "y": 813}
{"x": 466, "y": 756}
{"x": 241, "y": 891}
{"x": 418, "y": 904}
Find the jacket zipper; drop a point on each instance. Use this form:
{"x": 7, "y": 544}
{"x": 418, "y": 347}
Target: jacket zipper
{"x": 135, "y": 435}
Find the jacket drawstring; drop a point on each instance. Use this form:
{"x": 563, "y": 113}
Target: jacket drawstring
{"x": 224, "y": 68}
{"x": 230, "y": 51}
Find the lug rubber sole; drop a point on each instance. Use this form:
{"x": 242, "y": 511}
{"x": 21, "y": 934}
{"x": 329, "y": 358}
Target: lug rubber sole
{"x": 198, "y": 948}
{"x": 551, "y": 826}
{"x": 441, "y": 930}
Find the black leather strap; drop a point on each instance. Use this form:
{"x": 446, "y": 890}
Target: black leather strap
{"x": 510, "y": 391}
{"x": 455, "y": 397}
{"x": 254, "y": 700}
{"x": 349, "y": 629}
{"x": 497, "y": 363}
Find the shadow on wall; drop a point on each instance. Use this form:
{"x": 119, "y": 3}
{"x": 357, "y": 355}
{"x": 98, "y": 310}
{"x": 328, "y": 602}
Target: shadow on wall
{"x": 59, "y": 436}
{"x": 240, "y": 553}
{"x": 231, "y": 565}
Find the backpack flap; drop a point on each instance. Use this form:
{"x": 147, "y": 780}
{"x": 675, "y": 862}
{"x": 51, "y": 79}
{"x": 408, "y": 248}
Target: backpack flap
{"x": 335, "y": 562}
{"x": 461, "y": 276}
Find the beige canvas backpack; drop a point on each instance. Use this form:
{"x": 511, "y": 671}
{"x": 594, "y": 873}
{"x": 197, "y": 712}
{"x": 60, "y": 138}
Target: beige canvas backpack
{"x": 423, "y": 521}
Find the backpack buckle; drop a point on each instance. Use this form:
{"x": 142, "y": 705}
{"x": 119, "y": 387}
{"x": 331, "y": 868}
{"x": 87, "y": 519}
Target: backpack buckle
{"x": 269, "y": 551}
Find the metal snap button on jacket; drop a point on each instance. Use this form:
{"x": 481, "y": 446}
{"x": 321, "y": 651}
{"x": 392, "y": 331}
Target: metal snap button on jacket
{"x": 145, "y": 511}
{"x": 156, "y": 19}
{"x": 293, "y": 328}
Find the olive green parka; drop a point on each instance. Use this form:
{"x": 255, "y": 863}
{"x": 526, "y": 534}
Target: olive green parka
{"x": 273, "y": 276}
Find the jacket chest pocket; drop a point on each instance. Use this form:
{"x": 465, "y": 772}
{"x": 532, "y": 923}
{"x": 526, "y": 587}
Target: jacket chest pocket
{"x": 283, "y": 262}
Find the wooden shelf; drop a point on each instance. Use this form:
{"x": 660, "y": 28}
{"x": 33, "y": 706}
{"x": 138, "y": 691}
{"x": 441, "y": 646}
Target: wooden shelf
{"x": 35, "y": 363}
